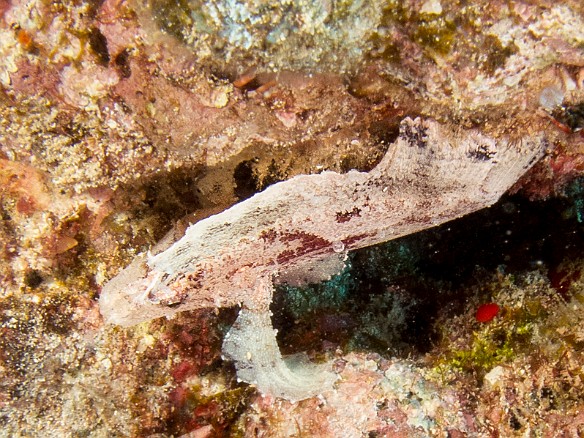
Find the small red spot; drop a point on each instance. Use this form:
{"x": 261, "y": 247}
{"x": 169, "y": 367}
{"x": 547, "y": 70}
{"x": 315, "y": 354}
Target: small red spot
{"x": 486, "y": 312}
{"x": 561, "y": 280}
{"x": 182, "y": 371}
{"x": 25, "y": 205}
{"x": 178, "y": 397}
{"x": 24, "y": 38}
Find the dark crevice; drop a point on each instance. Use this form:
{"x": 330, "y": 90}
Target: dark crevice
{"x": 389, "y": 297}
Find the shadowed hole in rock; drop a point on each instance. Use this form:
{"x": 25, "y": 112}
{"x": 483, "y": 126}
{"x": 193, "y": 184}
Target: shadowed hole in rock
{"x": 389, "y": 295}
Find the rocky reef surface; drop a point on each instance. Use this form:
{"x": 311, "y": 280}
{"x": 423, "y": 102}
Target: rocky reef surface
{"x": 122, "y": 122}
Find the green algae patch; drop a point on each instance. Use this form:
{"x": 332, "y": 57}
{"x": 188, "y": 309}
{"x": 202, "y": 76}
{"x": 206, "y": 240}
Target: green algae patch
{"x": 497, "y": 53}
{"x": 173, "y": 17}
{"x": 382, "y": 47}
{"x": 509, "y": 336}
{"x": 436, "y": 34}
{"x": 487, "y": 350}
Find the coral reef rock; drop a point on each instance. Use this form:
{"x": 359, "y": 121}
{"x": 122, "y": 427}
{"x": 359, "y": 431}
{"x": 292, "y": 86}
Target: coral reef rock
{"x": 291, "y": 134}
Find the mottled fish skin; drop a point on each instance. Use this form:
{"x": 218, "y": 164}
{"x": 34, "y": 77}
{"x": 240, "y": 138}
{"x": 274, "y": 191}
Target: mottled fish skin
{"x": 299, "y": 230}
{"x": 429, "y": 175}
